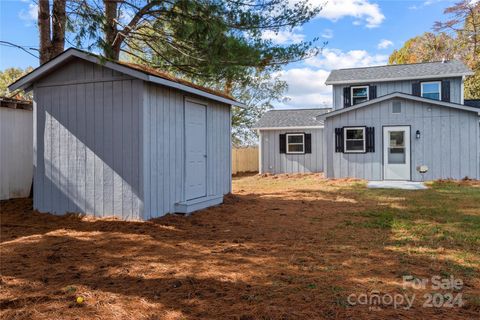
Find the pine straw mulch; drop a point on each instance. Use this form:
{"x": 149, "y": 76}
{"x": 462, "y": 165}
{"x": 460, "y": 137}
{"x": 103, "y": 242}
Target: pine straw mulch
{"x": 281, "y": 247}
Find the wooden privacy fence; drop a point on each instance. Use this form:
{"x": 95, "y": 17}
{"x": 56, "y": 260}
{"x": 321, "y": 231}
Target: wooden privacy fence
{"x": 244, "y": 160}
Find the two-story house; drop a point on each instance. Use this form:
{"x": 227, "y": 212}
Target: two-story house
{"x": 402, "y": 122}
{"x": 395, "y": 122}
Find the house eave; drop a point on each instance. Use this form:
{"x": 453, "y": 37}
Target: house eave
{"x": 429, "y": 77}
{"x": 403, "y": 96}
{"x": 289, "y": 128}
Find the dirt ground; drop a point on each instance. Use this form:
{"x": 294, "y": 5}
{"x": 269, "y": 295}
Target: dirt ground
{"x": 281, "y": 247}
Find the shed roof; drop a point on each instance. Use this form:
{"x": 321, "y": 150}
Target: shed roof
{"x": 13, "y": 103}
{"x": 427, "y": 70}
{"x": 134, "y": 70}
{"x": 291, "y": 118}
{"x": 404, "y": 96}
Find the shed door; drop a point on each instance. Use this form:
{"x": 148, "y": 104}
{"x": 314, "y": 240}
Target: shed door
{"x": 195, "y": 150}
{"x": 396, "y": 153}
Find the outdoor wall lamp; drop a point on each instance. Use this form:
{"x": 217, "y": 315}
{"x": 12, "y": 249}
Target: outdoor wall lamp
{"x": 417, "y": 134}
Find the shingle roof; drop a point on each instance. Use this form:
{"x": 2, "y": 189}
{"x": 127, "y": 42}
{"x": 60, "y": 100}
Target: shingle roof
{"x": 168, "y": 76}
{"x": 15, "y": 103}
{"x": 293, "y": 118}
{"x": 426, "y": 70}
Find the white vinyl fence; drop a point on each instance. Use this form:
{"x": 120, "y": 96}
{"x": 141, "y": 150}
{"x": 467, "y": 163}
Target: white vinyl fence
{"x": 16, "y": 152}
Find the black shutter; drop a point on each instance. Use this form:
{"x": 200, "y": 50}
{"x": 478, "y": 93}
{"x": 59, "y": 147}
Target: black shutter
{"x": 416, "y": 91}
{"x": 372, "y": 92}
{"x": 446, "y": 90}
{"x": 370, "y": 139}
{"x": 283, "y": 143}
{"x": 346, "y": 97}
{"x": 338, "y": 139}
{"x": 308, "y": 143}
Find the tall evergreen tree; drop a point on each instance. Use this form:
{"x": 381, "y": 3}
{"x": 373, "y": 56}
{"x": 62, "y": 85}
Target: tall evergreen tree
{"x": 214, "y": 39}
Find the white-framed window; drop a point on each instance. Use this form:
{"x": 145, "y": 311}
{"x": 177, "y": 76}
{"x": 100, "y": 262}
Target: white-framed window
{"x": 431, "y": 90}
{"x": 295, "y": 142}
{"x": 359, "y": 94}
{"x": 354, "y": 139}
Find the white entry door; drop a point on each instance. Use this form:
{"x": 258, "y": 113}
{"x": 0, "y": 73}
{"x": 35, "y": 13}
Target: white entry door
{"x": 195, "y": 150}
{"x": 396, "y": 153}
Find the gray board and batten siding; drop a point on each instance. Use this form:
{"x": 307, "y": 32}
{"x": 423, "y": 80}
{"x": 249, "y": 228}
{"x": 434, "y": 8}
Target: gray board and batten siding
{"x": 272, "y": 161}
{"x": 273, "y": 157}
{"x": 449, "y": 143}
{"x": 404, "y": 86}
{"x": 109, "y": 144}
{"x": 164, "y": 160}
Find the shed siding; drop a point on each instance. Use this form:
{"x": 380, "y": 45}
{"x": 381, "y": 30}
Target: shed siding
{"x": 272, "y": 161}
{"x": 88, "y": 148}
{"x": 449, "y": 143}
{"x": 384, "y": 88}
{"x": 164, "y": 161}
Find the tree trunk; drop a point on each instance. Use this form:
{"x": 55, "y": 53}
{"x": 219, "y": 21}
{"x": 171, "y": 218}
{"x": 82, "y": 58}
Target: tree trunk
{"x": 51, "y": 43}
{"x": 58, "y": 25}
{"x": 44, "y": 30}
{"x": 110, "y": 28}
{"x": 120, "y": 35}
{"x": 228, "y": 85}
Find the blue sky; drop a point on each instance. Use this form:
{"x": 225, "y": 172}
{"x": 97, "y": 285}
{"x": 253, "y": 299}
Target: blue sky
{"x": 359, "y": 33}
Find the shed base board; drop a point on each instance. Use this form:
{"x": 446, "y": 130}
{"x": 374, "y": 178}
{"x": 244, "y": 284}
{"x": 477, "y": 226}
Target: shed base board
{"x": 190, "y": 206}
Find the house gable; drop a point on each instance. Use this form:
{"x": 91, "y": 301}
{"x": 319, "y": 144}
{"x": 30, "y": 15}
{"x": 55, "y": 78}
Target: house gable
{"x": 76, "y": 71}
{"x": 399, "y": 95}
{"x": 444, "y": 137}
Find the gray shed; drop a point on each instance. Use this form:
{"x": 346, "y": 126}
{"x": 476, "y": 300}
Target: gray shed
{"x": 115, "y": 139}
{"x": 291, "y": 141}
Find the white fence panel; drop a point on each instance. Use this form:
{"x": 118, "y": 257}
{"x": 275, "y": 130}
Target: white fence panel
{"x": 16, "y": 152}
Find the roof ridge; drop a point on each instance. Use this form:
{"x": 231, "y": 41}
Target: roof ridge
{"x": 101, "y": 60}
{"x": 398, "y": 64}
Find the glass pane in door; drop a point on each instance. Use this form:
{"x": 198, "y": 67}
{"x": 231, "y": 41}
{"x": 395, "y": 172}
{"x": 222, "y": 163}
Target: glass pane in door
{"x": 397, "y": 139}
{"x": 396, "y": 150}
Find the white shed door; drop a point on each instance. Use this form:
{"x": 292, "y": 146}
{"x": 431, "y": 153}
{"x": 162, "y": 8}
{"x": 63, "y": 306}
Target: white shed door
{"x": 396, "y": 153}
{"x": 195, "y": 150}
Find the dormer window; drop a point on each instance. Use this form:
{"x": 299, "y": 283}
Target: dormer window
{"x": 431, "y": 90}
{"x": 359, "y": 94}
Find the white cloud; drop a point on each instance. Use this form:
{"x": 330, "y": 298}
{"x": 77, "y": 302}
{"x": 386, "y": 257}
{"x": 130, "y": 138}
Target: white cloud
{"x": 284, "y": 36}
{"x": 426, "y": 4}
{"x": 384, "y": 44}
{"x": 362, "y": 10}
{"x": 337, "y": 59}
{"x": 29, "y": 14}
{"x": 306, "y": 86}
{"x": 327, "y": 34}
